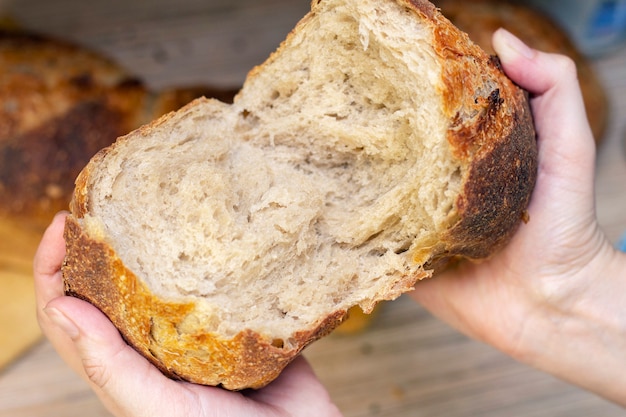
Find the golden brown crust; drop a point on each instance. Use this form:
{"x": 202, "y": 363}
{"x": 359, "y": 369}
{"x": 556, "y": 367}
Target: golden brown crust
{"x": 174, "y": 98}
{"x": 490, "y": 133}
{"x": 155, "y": 327}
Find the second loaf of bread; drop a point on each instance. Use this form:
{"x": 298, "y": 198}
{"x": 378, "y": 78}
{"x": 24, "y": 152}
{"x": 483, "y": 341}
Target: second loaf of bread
{"x": 224, "y": 238}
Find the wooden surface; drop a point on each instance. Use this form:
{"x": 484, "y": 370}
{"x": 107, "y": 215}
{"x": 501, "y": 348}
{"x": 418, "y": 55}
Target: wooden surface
{"x": 407, "y": 363}
{"x": 18, "y": 324}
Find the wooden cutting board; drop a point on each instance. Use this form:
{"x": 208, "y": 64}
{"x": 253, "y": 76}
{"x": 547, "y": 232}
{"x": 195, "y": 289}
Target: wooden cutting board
{"x": 18, "y": 324}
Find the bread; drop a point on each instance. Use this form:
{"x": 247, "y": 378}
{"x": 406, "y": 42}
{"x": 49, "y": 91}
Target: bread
{"x": 376, "y": 141}
{"x": 61, "y": 104}
{"x": 480, "y": 18}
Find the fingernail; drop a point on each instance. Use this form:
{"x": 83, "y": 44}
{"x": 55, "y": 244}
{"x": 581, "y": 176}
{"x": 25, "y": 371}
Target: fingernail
{"x": 62, "y": 322}
{"x": 515, "y": 44}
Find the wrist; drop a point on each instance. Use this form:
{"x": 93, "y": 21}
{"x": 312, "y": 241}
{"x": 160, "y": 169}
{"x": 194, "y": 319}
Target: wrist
{"x": 582, "y": 338}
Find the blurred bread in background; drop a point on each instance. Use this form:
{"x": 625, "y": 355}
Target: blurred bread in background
{"x": 61, "y": 103}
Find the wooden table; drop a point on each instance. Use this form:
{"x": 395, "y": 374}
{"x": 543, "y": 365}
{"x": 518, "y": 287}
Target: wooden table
{"x": 407, "y": 363}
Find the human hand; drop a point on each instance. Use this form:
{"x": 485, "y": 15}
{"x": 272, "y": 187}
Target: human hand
{"x": 127, "y": 384}
{"x": 552, "y": 297}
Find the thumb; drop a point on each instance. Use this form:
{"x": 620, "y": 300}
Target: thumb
{"x": 125, "y": 382}
{"x": 536, "y": 71}
{"x": 128, "y": 385}
{"x": 564, "y": 137}
{"x": 562, "y": 208}
{"x": 556, "y": 97}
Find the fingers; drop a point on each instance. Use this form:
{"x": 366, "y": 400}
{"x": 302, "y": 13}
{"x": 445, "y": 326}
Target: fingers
{"x": 49, "y": 286}
{"x": 129, "y": 385}
{"x": 551, "y": 79}
{"x": 47, "y": 262}
{"x": 533, "y": 70}
{"x": 566, "y": 145}
{"x": 124, "y": 381}
{"x": 299, "y": 392}
{"x": 85, "y": 339}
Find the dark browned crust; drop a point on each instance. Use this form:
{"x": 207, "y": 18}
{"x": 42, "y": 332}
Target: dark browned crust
{"x": 38, "y": 167}
{"x": 497, "y": 191}
{"x": 154, "y": 326}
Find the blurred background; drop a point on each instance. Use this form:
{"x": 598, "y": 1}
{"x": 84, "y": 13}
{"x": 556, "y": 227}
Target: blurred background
{"x": 74, "y": 75}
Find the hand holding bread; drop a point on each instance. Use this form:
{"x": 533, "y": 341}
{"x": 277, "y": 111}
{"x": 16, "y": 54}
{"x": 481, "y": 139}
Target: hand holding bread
{"x": 464, "y": 297}
{"x": 554, "y": 294}
{"x": 223, "y": 239}
{"x": 127, "y": 384}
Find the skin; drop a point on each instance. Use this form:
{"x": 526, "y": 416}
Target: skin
{"x": 553, "y": 297}
{"x": 550, "y": 298}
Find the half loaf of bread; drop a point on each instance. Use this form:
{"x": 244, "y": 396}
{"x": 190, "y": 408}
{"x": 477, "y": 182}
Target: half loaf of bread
{"x": 223, "y": 238}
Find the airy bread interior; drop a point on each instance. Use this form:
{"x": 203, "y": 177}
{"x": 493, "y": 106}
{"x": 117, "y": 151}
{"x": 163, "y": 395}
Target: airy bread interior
{"x": 326, "y": 179}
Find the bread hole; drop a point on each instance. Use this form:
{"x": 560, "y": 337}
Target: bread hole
{"x": 280, "y": 229}
{"x": 152, "y": 331}
{"x": 275, "y": 95}
{"x": 171, "y": 189}
{"x": 371, "y": 237}
{"x": 405, "y": 247}
{"x": 183, "y": 257}
{"x": 336, "y": 116}
{"x": 185, "y": 141}
{"x": 455, "y": 178}
{"x": 245, "y": 113}
{"x": 193, "y": 218}
{"x": 435, "y": 202}
{"x": 220, "y": 283}
{"x": 377, "y": 252}
{"x": 278, "y": 343}
{"x": 349, "y": 46}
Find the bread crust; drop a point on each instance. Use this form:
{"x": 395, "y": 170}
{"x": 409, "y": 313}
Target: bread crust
{"x": 494, "y": 141}
{"x": 153, "y": 325}
{"x": 494, "y": 137}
